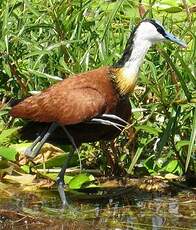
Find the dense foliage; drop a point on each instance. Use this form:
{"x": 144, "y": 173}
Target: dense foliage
{"x": 42, "y": 42}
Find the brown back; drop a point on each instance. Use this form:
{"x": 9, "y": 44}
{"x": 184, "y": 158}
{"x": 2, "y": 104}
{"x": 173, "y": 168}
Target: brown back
{"x": 73, "y": 100}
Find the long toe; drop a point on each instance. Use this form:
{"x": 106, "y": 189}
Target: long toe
{"x": 29, "y": 152}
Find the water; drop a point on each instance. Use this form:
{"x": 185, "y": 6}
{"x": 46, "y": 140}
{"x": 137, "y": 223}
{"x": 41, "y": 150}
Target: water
{"x": 128, "y": 211}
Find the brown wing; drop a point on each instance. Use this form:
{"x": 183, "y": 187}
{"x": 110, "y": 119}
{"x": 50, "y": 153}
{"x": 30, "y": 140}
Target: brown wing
{"x": 69, "y": 102}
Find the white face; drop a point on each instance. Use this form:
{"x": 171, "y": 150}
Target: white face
{"x": 148, "y": 32}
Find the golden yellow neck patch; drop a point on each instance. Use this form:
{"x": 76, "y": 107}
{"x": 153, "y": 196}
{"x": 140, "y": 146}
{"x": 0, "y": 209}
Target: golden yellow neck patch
{"x": 126, "y": 80}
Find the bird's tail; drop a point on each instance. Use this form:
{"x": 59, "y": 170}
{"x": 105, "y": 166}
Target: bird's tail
{"x": 12, "y": 102}
{"x": 31, "y": 130}
{"x": 4, "y": 103}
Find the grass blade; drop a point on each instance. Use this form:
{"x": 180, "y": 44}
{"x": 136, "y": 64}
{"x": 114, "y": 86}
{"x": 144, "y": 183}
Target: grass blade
{"x": 192, "y": 141}
{"x": 178, "y": 74}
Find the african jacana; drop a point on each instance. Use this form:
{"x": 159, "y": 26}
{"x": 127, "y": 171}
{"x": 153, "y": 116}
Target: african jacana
{"x": 93, "y": 105}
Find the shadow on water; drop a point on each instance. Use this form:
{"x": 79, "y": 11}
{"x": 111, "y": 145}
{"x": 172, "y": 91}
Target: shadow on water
{"x": 130, "y": 210}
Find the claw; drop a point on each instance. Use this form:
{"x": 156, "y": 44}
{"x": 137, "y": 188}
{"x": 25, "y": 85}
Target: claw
{"x": 112, "y": 116}
{"x": 28, "y": 152}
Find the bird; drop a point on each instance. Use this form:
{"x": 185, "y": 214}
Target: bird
{"x": 90, "y": 106}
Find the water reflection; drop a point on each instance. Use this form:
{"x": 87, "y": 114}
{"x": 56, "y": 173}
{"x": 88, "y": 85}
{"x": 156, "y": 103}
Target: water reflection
{"x": 158, "y": 212}
{"x": 173, "y": 207}
{"x": 157, "y": 222}
{"x": 155, "y": 214}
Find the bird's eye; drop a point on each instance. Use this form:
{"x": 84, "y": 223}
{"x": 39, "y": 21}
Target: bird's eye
{"x": 161, "y": 30}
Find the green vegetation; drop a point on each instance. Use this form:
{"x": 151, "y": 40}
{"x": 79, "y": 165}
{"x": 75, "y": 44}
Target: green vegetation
{"x": 42, "y": 42}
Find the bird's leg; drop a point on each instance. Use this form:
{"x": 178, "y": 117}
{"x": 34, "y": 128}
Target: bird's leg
{"x": 60, "y": 177}
{"x": 70, "y": 137}
{"x": 34, "y": 149}
{"x": 73, "y": 143}
{"x": 112, "y": 116}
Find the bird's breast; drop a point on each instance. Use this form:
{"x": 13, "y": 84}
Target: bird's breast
{"x": 126, "y": 79}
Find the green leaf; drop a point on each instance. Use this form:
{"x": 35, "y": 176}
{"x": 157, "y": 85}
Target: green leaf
{"x": 149, "y": 129}
{"x": 7, "y": 69}
{"x": 178, "y": 74}
{"x": 3, "y": 112}
{"x": 79, "y": 180}
{"x": 53, "y": 177}
{"x": 8, "y": 153}
{"x": 186, "y": 68}
{"x": 135, "y": 159}
{"x": 167, "y": 132}
{"x": 149, "y": 164}
{"x": 44, "y": 75}
{"x": 181, "y": 144}
{"x": 26, "y": 168}
{"x": 20, "y": 148}
{"x": 6, "y": 134}
{"x": 110, "y": 18}
{"x": 57, "y": 161}
{"x": 171, "y": 166}
{"x": 171, "y": 9}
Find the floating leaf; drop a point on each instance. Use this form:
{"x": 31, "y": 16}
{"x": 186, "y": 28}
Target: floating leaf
{"x": 53, "y": 176}
{"x": 79, "y": 180}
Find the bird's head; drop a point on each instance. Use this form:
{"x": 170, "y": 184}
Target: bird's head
{"x": 147, "y": 33}
{"x": 153, "y": 31}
